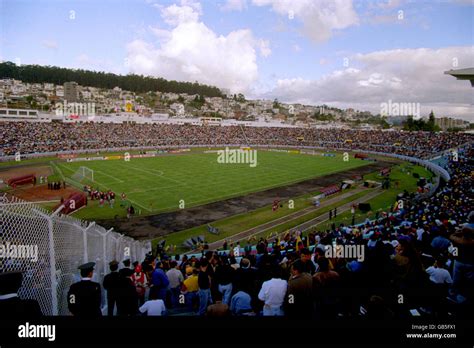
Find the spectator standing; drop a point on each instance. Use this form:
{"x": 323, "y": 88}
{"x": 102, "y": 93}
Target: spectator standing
{"x": 190, "y": 288}
{"x": 159, "y": 283}
{"x": 463, "y": 274}
{"x": 176, "y": 279}
{"x": 112, "y": 284}
{"x": 299, "y": 303}
{"x": 204, "y": 282}
{"x": 224, "y": 277}
{"x": 128, "y": 296}
{"x": 273, "y": 293}
{"x": 140, "y": 281}
{"x": 84, "y": 297}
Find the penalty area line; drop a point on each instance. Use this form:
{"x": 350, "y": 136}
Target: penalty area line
{"x": 108, "y": 188}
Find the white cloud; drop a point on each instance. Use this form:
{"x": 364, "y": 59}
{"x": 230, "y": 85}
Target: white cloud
{"x": 319, "y": 18}
{"x": 161, "y": 34}
{"x": 191, "y": 51}
{"x": 234, "y": 5}
{"x": 186, "y": 13}
{"x": 402, "y": 75}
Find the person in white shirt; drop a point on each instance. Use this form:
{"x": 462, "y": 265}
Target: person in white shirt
{"x": 153, "y": 307}
{"x": 273, "y": 294}
{"x": 176, "y": 279}
{"x": 438, "y": 274}
{"x": 419, "y": 233}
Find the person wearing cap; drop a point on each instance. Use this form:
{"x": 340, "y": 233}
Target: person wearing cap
{"x": 127, "y": 303}
{"x": 112, "y": 284}
{"x": 84, "y": 297}
{"x": 11, "y": 305}
{"x": 140, "y": 281}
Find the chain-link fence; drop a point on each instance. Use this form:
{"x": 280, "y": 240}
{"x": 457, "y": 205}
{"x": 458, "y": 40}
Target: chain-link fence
{"x": 49, "y": 248}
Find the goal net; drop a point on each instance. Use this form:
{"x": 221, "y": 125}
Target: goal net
{"x": 83, "y": 173}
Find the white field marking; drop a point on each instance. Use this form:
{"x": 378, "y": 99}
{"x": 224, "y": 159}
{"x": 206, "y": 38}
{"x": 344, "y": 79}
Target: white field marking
{"x": 155, "y": 189}
{"x": 141, "y": 206}
{"x": 110, "y": 176}
{"x": 162, "y": 176}
{"x": 155, "y": 174}
{"x": 95, "y": 181}
{"x": 59, "y": 170}
{"x": 108, "y": 188}
{"x": 233, "y": 194}
{"x": 238, "y": 193}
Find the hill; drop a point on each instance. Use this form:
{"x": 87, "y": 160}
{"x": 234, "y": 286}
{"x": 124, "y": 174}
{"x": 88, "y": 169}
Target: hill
{"x": 100, "y": 79}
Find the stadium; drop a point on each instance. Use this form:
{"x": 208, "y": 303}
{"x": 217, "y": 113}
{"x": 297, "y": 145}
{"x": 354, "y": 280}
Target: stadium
{"x": 208, "y": 172}
{"x": 115, "y": 192}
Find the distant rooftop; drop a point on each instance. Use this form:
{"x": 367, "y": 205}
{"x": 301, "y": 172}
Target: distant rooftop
{"x": 462, "y": 74}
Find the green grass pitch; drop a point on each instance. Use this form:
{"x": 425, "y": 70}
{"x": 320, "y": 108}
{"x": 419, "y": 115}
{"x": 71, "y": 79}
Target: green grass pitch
{"x": 158, "y": 184}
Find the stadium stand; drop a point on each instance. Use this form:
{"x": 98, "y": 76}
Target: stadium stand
{"x": 33, "y": 138}
{"x": 422, "y": 250}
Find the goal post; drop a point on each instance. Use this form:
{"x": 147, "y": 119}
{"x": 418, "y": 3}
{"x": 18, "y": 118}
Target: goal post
{"x": 83, "y": 173}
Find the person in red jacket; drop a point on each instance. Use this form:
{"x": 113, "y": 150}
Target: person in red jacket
{"x": 140, "y": 281}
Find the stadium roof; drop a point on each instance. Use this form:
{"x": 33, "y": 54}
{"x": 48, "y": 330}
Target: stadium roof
{"x": 462, "y": 74}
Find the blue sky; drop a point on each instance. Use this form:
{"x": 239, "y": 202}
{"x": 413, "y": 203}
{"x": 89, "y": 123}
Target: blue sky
{"x": 292, "y": 50}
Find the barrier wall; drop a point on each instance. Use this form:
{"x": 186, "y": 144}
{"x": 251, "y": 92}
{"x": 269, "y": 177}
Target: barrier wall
{"x": 62, "y": 243}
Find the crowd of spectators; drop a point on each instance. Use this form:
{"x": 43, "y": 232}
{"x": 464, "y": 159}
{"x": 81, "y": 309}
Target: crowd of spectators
{"x": 28, "y": 138}
{"x": 417, "y": 260}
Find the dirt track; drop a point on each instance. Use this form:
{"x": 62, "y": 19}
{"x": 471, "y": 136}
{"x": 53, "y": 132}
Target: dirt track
{"x": 38, "y": 192}
{"x": 162, "y": 224}
{"x": 304, "y": 226}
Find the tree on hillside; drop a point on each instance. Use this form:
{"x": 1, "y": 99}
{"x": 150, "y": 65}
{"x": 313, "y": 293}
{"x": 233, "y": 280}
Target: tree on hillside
{"x": 100, "y": 79}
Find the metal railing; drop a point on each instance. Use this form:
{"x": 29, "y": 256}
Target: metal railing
{"x": 48, "y": 249}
